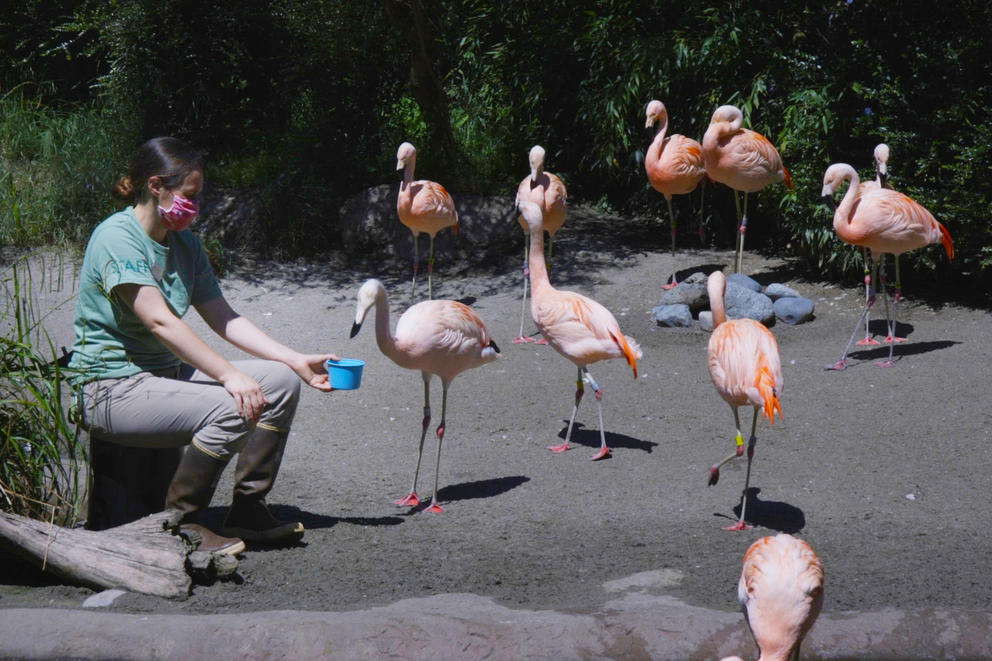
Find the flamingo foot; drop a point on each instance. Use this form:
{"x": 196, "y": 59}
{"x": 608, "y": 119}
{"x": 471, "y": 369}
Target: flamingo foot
{"x": 603, "y": 453}
{"x": 434, "y": 509}
{"x": 410, "y": 500}
{"x": 670, "y": 285}
{"x": 885, "y": 363}
{"x": 523, "y": 339}
{"x": 868, "y": 342}
{"x": 740, "y": 525}
{"x": 889, "y": 339}
{"x": 541, "y": 342}
{"x": 838, "y": 366}
{"x": 714, "y": 476}
{"x": 557, "y": 449}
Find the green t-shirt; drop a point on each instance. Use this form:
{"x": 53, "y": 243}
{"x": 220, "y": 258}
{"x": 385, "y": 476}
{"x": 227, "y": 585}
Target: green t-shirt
{"x": 111, "y": 341}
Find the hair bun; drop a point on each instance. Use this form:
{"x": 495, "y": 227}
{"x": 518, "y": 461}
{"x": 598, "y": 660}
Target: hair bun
{"x": 124, "y": 189}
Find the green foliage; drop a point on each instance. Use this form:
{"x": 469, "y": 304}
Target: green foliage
{"x": 40, "y": 452}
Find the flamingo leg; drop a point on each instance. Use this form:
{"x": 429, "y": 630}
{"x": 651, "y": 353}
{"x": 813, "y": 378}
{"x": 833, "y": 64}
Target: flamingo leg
{"x": 579, "y": 391}
{"x": 842, "y": 363}
{"x": 435, "y": 507}
{"x": 742, "y": 227}
{"x": 869, "y": 340}
{"x": 604, "y": 451}
{"x": 521, "y": 338}
{"x": 739, "y": 440}
{"x": 740, "y": 525}
{"x": 702, "y": 217}
{"x": 411, "y": 499}
{"x": 671, "y": 216}
{"x": 892, "y": 339}
{"x": 416, "y": 264}
{"x": 430, "y": 271}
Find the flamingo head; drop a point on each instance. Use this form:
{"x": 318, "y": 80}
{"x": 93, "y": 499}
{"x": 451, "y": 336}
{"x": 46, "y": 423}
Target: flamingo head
{"x": 835, "y": 175}
{"x": 654, "y": 113}
{"x": 405, "y": 155}
{"x": 368, "y": 293}
{"x": 729, "y": 115}
{"x": 536, "y": 158}
{"x": 531, "y": 214}
{"x": 882, "y": 162}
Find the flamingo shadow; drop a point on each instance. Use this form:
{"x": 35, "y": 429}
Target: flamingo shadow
{"x": 902, "y": 350}
{"x": 590, "y": 438}
{"x": 480, "y": 488}
{"x": 213, "y": 518}
{"x": 770, "y": 514}
{"x": 682, "y": 273}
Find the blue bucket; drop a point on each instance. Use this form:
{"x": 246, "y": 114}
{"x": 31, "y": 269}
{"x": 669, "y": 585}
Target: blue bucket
{"x": 346, "y": 374}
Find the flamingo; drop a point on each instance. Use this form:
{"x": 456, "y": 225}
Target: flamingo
{"x": 742, "y": 159}
{"x": 781, "y": 593}
{"x": 881, "y": 155}
{"x": 746, "y": 370}
{"x": 548, "y": 192}
{"x": 423, "y": 206}
{"x": 884, "y": 221}
{"x": 576, "y": 326}
{"x": 442, "y": 338}
{"x": 674, "y": 164}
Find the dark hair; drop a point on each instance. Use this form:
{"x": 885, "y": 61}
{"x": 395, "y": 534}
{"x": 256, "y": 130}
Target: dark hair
{"x": 170, "y": 159}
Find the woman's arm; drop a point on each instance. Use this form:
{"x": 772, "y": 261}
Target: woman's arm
{"x": 156, "y": 315}
{"x": 248, "y": 337}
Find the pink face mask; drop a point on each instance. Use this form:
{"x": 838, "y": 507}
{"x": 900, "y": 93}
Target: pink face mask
{"x": 180, "y": 215}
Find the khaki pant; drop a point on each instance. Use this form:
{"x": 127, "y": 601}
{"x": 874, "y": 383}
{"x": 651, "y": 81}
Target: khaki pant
{"x": 171, "y": 408}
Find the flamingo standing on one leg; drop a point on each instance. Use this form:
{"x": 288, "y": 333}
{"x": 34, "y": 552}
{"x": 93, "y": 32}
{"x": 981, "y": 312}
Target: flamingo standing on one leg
{"x": 881, "y": 155}
{"x": 884, "y": 221}
{"x": 436, "y": 337}
{"x": 423, "y": 206}
{"x": 742, "y": 159}
{"x": 674, "y": 164}
{"x": 576, "y": 326}
{"x": 781, "y": 593}
{"x": 746, "y": 370}
{"x": 548, "y": 192}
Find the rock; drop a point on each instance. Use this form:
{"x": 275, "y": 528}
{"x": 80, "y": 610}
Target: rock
{"x": 103, "y": 599}
{"x": 689, "y": 293}
{"x": 706, "y": 320}
{"x": 777, "y": 290}
{"x": 794, "y": 310}
{"x": 745, "y": 281}
{"x": 673, "y": 316}
{"x": 743, "y": 303}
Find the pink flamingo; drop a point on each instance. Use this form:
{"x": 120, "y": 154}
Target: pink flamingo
{"x": 742, "y": 159}
{"x": 746, "y": 370}
{"x": 674, "y": 164}
{"x": 548, "y": 192}
{"x": 423, "y": 206}
{"x": 576, "y": 326}
{"x": 881, "y": 155}
{"x": 781, "y": 593}
{"x": 884, "y": 221}
{"x": 442, "y": 338}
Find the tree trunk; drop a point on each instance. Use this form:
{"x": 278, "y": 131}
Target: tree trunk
{"x": 148, "y": 555}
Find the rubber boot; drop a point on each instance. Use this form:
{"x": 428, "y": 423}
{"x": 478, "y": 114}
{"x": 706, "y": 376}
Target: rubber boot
{"x": 190, "y": 491}
{"x": 258, "y": 464}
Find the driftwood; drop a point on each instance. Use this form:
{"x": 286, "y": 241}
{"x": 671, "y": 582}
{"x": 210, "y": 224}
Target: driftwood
{"x": 150, "y": 555}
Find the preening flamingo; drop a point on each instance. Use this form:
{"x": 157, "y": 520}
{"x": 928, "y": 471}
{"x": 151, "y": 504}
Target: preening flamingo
{"x": 673, "y": 163}
{"x": 884, "y": 221}
{"x": 781, "y": 593}
{"x": 881, "y": 156}
{"x": 742, "y": 159}
{"x": 423, "y": 206}
{"x": 548, "y": 192}
{"x": 442, "y": 338}
{"x": 576, "y": 326}
{"x": 746, "y": 370}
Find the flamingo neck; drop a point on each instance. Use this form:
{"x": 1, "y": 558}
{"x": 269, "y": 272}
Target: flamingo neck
{"x": 846, "y": 205}
{"x": 383, "y": 335}
{"x": 660, "y": 131}
{"x": 535, "y": 261}
{"x": 717, "y": 306}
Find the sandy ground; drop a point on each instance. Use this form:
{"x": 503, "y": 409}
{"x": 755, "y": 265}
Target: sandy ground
{"x": 884, "y": 471}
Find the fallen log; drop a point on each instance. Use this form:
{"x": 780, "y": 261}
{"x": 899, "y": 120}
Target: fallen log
{"x": 150, "y": 555}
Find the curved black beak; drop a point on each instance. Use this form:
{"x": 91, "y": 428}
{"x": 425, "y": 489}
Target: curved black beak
{"x": 829, "y": 201}
{"x": 355, "y": 327}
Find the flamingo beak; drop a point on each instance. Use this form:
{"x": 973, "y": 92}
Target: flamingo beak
{"x": 829, "y": 201}
{"x": 355, "y": 327}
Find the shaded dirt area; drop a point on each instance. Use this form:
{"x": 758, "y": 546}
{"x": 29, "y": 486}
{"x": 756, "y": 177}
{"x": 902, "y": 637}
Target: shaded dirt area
{"x": 884, "y": 471}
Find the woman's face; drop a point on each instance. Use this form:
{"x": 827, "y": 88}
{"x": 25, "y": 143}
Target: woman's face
{"x": 190, "y": 188}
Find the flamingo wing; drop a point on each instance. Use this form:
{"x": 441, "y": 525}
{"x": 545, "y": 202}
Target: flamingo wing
{"x": 582, "y": 330}
{"x": 745, "y": 366}
{"x": 431, "y": 206}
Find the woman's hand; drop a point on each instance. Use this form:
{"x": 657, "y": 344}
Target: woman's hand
{"x": 247, "y": 394}
{"x": 311, "y": 368}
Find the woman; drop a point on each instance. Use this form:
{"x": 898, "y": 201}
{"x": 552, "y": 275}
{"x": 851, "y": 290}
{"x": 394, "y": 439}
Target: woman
{"x": 147, "y": 379}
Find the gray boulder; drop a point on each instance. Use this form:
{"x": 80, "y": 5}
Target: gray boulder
{"x": 744, "y": 303}
{"x": 706, "y": 320}
{"x": 745, "y": 281}
{"x": 777, "y": 290}
{"x": 794, "y": 309}
{"x": 673, "y": 316}
{"x": 690, "y": 292}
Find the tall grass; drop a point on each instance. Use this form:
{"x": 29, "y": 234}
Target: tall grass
{"x": 56, "y": 169}
{"x": 41, "y": 474}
